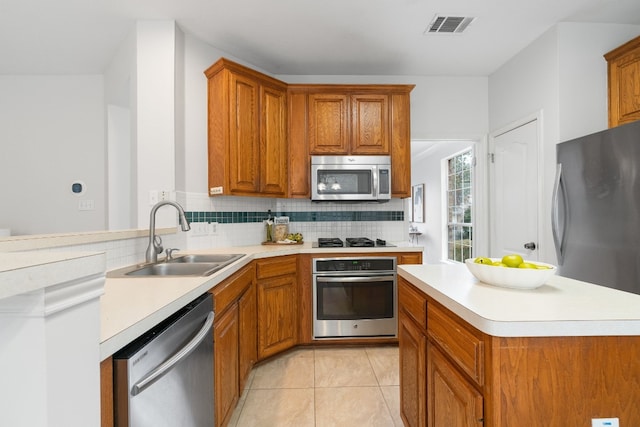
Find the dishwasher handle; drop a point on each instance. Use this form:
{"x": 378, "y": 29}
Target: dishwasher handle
{"x": 166, "y": 366}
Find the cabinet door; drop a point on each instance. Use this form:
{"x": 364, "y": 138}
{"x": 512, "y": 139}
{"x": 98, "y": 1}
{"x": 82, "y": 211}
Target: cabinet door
{"x": 451, "y": 399}
{"x": 248, "y": 342}
{"x": 413, "y": 384}
{"x": 277, "y": 315}
{"x": 370, "y": 124}
{"x": 225, "y": 335}
{"x": 244, "y": 145}
{"x": 328, "y": 123}
{"x": 624, "y": 83}
{"x": 410, "y": 258}
{"x": 299, "y": 164}
{"x": 273, "y": 141}
{"x": 400, "y": 145}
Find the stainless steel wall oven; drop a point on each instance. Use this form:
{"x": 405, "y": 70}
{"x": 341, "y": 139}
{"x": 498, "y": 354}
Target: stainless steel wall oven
{"x": 354, "y": 297}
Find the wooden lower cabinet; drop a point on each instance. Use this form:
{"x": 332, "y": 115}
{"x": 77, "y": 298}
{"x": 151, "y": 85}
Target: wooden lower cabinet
{"x": 470, "y": 378}
{"x": 225, "y": 373}
{"x": 234, "y": 347}
{"x": 277, "y": 305}
{"x": 410, "y": 258}
{"x": 413, "y": 386}
{"x": 451, "y": 399}
{"x": 248, "y": 339}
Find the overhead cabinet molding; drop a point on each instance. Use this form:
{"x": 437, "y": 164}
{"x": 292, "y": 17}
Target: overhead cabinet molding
{"x": 262, "y": 131}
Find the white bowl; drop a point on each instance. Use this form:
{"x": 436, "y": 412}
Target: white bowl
{"x": 508, "y": 277}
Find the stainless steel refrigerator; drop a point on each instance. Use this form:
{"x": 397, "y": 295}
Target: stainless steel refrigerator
{"x": 596, "y": 208}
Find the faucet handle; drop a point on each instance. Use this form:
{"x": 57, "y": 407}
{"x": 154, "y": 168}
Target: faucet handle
{"x": 170, "y": 252}
{"x": 157, "y": 243}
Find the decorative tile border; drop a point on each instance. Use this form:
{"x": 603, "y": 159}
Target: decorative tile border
{"x": 314, "y": 216}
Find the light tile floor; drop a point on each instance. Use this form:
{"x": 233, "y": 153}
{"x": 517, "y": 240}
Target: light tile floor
{"x": 323, "y": 387}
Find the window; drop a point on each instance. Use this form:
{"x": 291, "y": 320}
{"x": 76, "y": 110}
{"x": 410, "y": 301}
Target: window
{"x": 459, "y": 206}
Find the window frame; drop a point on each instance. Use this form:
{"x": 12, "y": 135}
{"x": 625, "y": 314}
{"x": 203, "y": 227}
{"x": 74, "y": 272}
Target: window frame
{"x": 464, "y": 227}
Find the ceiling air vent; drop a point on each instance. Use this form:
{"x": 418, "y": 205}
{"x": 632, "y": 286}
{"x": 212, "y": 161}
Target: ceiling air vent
{"x": 448, "y": 24}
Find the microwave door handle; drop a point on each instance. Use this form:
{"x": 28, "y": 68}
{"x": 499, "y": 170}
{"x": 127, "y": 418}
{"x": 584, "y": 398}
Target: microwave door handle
{"x": 354, "y": 279}
{"x": 376, "y": 180}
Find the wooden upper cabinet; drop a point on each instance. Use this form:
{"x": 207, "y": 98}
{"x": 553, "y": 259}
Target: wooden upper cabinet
{"x": 623, "y": 65}
{"x": 299, "y": 164}
{"x": 247, "y": 132}
{"x": 262, "y": 131}
{"x": 351, "y": 119}
{"x": 244, "y": 154}
{"x": 328, "y": 123}
{"x": 370, "y": 124}
{"x": 273, "y": 141}
{"x": 342, "y": 121}
{"x": 400, "y": 145}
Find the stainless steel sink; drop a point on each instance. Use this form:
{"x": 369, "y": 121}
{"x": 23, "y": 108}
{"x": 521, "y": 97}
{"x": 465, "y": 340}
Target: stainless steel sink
{"x": 166, "y": 269}
{"x": 216, "y": 258}
{"x": 186, "y": 265}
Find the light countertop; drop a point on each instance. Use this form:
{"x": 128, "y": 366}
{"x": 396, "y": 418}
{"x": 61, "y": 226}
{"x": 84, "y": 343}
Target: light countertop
{"x": 131, "y": 306}
{"x": 561, "y": 307}
{"x": 24, "y": 272}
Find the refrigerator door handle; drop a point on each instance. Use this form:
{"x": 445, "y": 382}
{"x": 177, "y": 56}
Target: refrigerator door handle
{"x": 559, "y": 194}
{"x": 166, "y": 366}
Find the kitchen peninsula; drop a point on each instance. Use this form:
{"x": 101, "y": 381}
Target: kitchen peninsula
{"x": 557, "y": 355}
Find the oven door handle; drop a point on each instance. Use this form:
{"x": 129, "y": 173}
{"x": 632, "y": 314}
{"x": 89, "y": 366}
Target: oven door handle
{"x": 354, "y": 279}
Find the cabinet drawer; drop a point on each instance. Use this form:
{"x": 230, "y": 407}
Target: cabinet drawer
{"x": 412, "y": 303}
{"x": 461, "y": 344}
{"x": 273, "y": 267}
{"x": 231, "y": 289}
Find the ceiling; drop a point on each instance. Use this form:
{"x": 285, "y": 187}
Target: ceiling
{"x": 296, "y": 37}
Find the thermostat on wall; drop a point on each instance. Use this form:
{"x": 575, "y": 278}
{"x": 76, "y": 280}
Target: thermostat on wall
{"x": 78, "y": 188}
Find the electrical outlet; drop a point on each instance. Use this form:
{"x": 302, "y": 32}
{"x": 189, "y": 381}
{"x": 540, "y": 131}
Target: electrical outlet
{"x": 605, "y": 422}
{"x": 164, "y": 195}
{"x": 198, "y": 228}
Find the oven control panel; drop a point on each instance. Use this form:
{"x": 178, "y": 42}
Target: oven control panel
{"x": 348, "y": 264}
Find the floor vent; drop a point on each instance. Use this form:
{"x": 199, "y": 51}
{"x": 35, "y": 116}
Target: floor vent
{"x": 448, "y": 24}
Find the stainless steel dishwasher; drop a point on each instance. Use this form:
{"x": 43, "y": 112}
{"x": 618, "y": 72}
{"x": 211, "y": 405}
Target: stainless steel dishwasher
{"x": 165, "y": 377}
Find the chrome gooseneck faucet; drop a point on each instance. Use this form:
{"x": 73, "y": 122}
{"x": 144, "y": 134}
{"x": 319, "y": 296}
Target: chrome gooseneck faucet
{"x": 155, "y": 242}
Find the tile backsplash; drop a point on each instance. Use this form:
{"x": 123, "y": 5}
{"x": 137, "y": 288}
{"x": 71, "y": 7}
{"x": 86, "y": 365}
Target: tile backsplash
{"x": 239, "y": 222}
{"x": 240, "y": 219}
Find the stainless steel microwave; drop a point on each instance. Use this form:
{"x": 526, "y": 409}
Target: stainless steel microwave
{"x": 351, "y": 178}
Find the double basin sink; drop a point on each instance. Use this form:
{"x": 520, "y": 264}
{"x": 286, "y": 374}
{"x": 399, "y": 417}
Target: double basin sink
{"x": 186, "y": 265}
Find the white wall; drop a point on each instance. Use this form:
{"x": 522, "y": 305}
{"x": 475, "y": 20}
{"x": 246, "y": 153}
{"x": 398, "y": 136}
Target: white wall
{"x": 562, "y": 74}
{"x": 52, "y": 133}
{"x": 155, "y": 116}
{"x": 120, "y": 100}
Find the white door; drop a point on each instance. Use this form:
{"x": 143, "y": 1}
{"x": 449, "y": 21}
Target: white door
{"x": 513, "y": 192}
